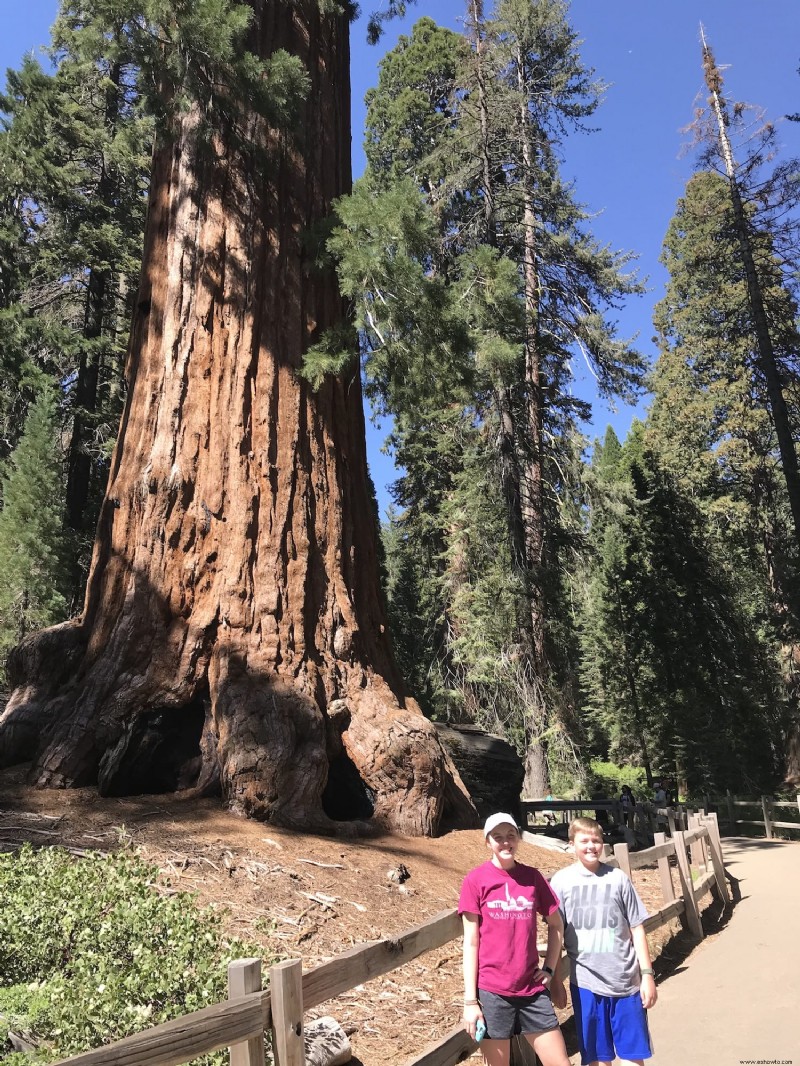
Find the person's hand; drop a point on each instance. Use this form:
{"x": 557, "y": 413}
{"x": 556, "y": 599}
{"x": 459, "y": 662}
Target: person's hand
{"x": 472, "y": 1012}
{"x": 542, "y": 977}
{"x": 647, "y": 991}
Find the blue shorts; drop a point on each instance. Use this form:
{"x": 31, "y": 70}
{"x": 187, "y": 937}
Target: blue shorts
{"x": 610, "y": 1025}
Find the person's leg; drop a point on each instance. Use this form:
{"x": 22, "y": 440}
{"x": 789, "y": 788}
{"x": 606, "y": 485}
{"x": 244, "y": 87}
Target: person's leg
{"x": 549, "y": 1047}
{"x": 496, "y": 1052}
{"x": 499, "y": 1015}
{"x": 592, "y": 1027}
{"x": 630, "y": 1031}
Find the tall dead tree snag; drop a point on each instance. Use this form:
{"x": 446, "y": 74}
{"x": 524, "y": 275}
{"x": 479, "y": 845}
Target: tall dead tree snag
{"x": 233, "y": 627}
{"x": 767, "y": 361}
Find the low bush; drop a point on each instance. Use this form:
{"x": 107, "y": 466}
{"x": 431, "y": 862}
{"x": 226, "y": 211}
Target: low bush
{"x": 91, "y": 952}
{"x": 609, "y": 778}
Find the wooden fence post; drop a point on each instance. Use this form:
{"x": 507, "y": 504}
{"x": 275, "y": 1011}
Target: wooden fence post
{"x": 244, "y": 977}
{"x": 640, "y": 821}
{"x": 623, "y": 858}
{"x": 697, "y": 847}
{"x": 522, "y": 1054}
{"x": 670, "y": 821}
{"x": 286, "y": 987}
{"x": 664, "y": 872}
{"x": 715, "y": 847}
{"x": 687, "y": 887}
{"x": 767, "y": 822}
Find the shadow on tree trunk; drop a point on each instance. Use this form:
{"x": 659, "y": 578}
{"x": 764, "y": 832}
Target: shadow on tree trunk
{"x": 129, "y": 724}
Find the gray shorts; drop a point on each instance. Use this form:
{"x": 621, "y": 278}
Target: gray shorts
{"x": 508, "y": 1016}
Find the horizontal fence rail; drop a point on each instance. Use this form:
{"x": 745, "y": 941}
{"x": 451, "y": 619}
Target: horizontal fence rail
{"x": 182, "y": 1039}
{"x": 647, "y": 817}
{"x": 767, "y": 804}
{"x": 643, "y": 817}
{"x": 363, "y": 962}
{"x": 241, "y": 1021}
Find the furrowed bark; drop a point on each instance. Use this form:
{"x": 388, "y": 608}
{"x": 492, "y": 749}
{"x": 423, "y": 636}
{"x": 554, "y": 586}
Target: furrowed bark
{"x": 233, "y": 626}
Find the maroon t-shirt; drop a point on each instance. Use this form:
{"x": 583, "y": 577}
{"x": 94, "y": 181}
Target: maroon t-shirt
{"x": 507, "y": 902}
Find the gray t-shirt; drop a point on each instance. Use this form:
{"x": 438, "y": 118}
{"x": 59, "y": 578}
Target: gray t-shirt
{"x": 599, "y": 909}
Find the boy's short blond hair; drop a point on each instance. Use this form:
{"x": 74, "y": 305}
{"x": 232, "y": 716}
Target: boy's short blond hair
{"x": 584, "y": 825}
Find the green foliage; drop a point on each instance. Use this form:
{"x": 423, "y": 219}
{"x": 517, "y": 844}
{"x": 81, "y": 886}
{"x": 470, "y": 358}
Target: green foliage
{"x": 434, "y": 250}
{"x": 609, "y": 778}
{"x": 188, "y": 52}
{"x": 33, "y": 545}
{"x": 90, "y": 952}
{"x": 413, "y": 116}
{"x": 413, "y": 336}
{"x": 722, "y": 448}
{"x": 76, "y": 155}
{"x": 391, "y": 9}
{"x": 673, "y": 673}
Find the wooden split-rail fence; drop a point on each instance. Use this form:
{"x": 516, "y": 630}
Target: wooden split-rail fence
{"x": 730, "y": 805}
{"x": 644, "y": 818}
{"x": 241, "y": 1021}
{"x": 648, "y": 817}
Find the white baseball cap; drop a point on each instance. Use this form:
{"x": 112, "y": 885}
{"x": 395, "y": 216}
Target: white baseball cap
{"x": 494, "y": 820}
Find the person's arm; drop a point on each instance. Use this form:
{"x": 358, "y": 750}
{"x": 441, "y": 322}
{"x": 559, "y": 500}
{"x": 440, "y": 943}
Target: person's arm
{"x": 555, "y": 938}
{"x": 472, "y": 1008}
{"x": 554, "y": 983}
{"x": 648, "y": 986}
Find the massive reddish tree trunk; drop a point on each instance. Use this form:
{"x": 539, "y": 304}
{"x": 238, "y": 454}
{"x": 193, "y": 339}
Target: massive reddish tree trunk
{"x": 233, "y": 627}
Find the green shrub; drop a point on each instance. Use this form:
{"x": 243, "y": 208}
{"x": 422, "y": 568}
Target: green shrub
{"x": 610, "y": 778}
{"x": 90, "y": 952}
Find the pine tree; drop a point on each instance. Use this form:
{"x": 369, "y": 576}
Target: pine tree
{"x": 33, "y": 545}
{"x": 761, "y": 208}
{"x": 710, "y": 419}
{"x": 613, "y": 717}
{"x": 477, "y": 124}
{"x": 673, "y": 674}
{"x": 710, "y": 422}
{"x": 78, "y": 148}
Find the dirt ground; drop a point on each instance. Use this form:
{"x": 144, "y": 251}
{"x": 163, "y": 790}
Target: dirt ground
{"x": 299, "y": 895}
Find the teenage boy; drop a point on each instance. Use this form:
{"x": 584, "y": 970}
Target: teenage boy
{"x": 611, "y": 975}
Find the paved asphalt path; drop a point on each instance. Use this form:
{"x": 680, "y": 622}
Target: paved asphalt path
{"x": 735, "y": 999}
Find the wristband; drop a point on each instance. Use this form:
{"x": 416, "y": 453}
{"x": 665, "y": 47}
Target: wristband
{"x": 471, "y": 1003}
{"x": 547, "y": 969}
{"x": 646, "y": 970}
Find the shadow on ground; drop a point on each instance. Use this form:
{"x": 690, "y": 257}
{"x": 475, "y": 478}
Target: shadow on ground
{"x": 714, "y": 918}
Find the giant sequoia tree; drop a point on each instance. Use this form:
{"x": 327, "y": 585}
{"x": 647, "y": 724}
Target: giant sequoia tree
{"x": 232, "y": 627}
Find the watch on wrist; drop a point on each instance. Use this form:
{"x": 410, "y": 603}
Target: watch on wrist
{"x": 643, "y": 970}
{"x": 547, "y": 969}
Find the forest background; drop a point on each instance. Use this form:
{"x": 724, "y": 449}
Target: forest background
{"x": 645, "y": 607}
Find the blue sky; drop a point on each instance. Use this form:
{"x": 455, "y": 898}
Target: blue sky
{"x": 635, "y": 167}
